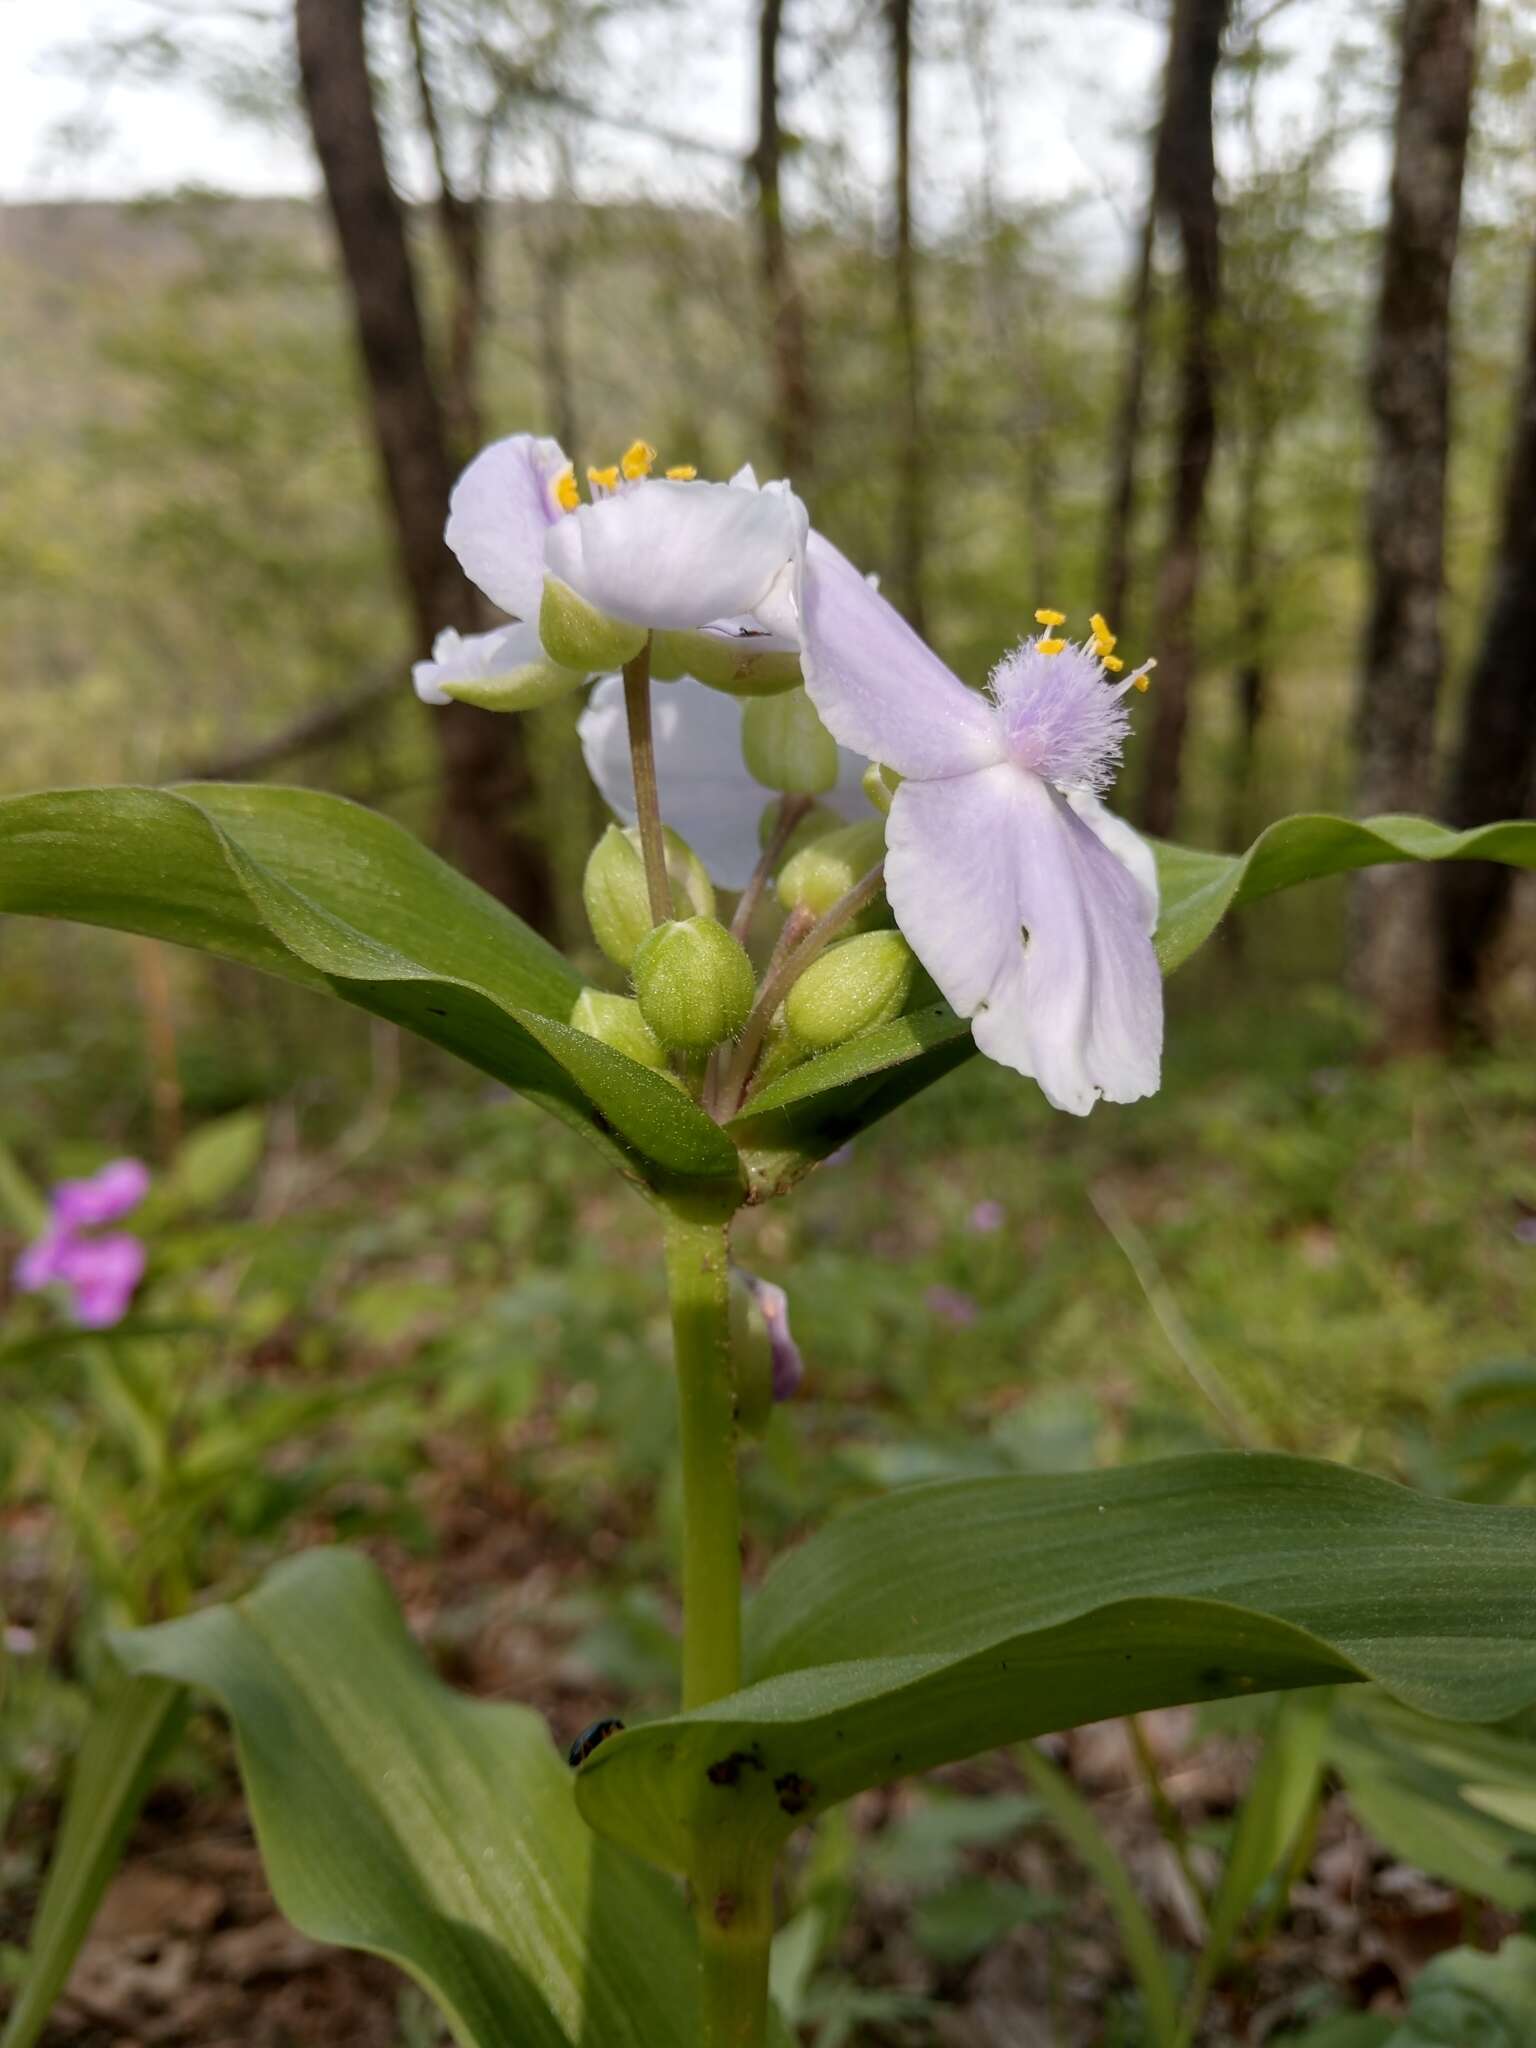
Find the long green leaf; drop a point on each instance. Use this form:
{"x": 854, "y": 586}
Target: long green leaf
{"x": 327, "y": 894}
{"x": 1200, "y": 888}
{"x": 398, "y": 1816}
{"x": 952, "y": 1617}
{"x": 130, "y": 1735}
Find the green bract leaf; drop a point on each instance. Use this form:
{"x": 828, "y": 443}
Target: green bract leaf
{"x": 949, "y": 1618}
{"x": 1199, "y": 888}
{"x": 397, "y": 1816}
{"x": 327, "y": 894}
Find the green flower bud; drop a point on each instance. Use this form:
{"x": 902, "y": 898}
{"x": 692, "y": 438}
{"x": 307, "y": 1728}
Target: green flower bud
{"x": 618, "y": 899}
{"x": 577, "y": 635}
{"x": 880, "y": 786}
{"x": 855, "y": 985}
{"x": 736, "y": 663}
{"x": 786, "y": 746}
{"x": 617, "y": 1021}
{"x": 828, "y": 868}
{"x": 694, "y": 982}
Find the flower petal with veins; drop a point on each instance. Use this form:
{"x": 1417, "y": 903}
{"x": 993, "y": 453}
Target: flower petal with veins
{"x": 501, "y": 509}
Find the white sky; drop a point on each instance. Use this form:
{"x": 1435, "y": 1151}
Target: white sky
{"x": 1071, "y": 106}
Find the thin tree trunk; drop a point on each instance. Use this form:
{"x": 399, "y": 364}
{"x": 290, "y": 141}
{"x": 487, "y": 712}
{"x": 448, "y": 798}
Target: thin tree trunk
{"x": 1125, "y": 446}
{"x": 1185, "y": 181}
{"x": 1394, "y": 961}
{"x": 1251, "y": 592}
{"x": 912, "y": 454}
{"x": 485, "y": 773}
{"x": 554, "y": 252}
{"x": 793, "y": 408}
{"x": 1494, "y": 775}
{"x": 461, "y": 217}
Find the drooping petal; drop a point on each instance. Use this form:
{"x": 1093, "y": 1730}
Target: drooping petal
{"x": 1126, "y": 844}
{"x": 501, "y": 509}
{"x": 507, "y": 670}
{"x": 671, "y": 555}
{"x": 880, "y": 690}
{"x": 119, "y": 1186}
{"x": 773, "y": 1306}
{"x": 707, "y": 796}
{"x": 102, "y": 1274}
{"x": 1032, "y": 928}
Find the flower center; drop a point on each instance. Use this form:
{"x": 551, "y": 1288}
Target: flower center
{"x": 632, "y": 467}
{"x": 1062, "y": 718}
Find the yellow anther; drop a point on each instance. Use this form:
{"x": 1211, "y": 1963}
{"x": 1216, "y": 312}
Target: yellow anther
{"x": 1049, "y": 646}
{"x": 1111, "y": 661}
{"x": 1044, "y": 618}
{"x": 637, "y": 459}
{"x": 1103, "y": 639}
{"x": 604, "y": 479}
{"x": 567, "y": 497}
{"x": 1146, "y": 669}
{"x": 683, "y": 474}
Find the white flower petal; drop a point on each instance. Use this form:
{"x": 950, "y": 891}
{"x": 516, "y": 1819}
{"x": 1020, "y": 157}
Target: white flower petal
{"x": 878, "y": 688}
{"x": 670, "y": 554}
{"x": 507, "y": 670}
{"x": 1126, "y": 844}
{"x": 1031, "y": 927}
{"x": 501, "y": 509}
{"x": 707, "y": 796}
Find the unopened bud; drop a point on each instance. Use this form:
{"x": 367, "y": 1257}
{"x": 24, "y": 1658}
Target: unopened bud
{"x": 576, "y": 635}
{"x": 766, "y": 1359}
{"x": 855, "y": 985}
{"x": 828, "y": 868}
{"x": 786, "y": 746}
{"x": 617, "y": 1021}
{"x": 880, "y": 785}
{"x": 694, "y": 982}
{"x": 746, "y": 664}
{"x": 617, "y": 895}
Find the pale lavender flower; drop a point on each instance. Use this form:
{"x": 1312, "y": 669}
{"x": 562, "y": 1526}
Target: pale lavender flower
{"x": 1029, "y": 904}
{"x": 987, "y": 1218}
{"x": 101, "y": 1273}
{"x": 707, "y": 796}
{"x": 684, "y": 557}
{"x": 1525, "y": 1230}
{"x": 773, "y": 1306}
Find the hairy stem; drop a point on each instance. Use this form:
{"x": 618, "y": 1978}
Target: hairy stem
{"x": 642, "y": 754}
{"x": 791, "y": 810}
{"x": 781, "y": 978}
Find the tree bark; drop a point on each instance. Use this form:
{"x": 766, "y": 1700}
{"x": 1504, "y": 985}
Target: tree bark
{"x": 461, "y": 217}
{"x": 1125, "y": 447}
{"x": 486, "y": 780}
{"x": 1394, "y": 964}
{"x": 1184, "y": 181}
{"x": 1494, "y": 774}
{"x": 1251, "y": 593}
{"x": 793, "y": 408}
{"x": 912, "y": 453}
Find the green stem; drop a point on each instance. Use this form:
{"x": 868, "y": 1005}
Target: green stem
{"x": 642, "y": 755}
{"x": 698, "y": 1276}
{"x": 733, "y": 1903}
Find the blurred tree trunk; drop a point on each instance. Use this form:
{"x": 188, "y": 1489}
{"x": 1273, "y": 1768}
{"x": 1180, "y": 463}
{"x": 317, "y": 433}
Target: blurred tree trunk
{"x": 1125, "y": 446}
{"x": 912, "y": 454}
{"x": 1251, "y": 569}
{"x": 1393, "y": 952}
{"x": 486, "y": 780}
{"x": 794, "y": 417}
{"x": 1184, "y": 182}
{"x": 462, "y": 220}
{"x": 554, "y": 257}
{"x": 1494, "y": 775}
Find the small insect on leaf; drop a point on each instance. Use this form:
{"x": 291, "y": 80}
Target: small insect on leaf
{"x": 589, "y": 1738}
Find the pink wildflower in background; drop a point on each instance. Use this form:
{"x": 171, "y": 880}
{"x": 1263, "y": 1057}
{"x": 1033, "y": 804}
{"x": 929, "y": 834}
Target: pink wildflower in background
{"x": 101, "y": 1273}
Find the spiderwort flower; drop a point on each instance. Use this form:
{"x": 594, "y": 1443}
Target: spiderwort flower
{"x": 707, "y": 796}
{"x": 101, "y": 1273}
{"x": 773, "y": 1306}
{"x": 666, "y": 553}
{"x": 1027, "y": 902}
